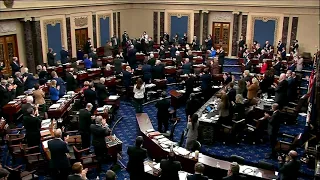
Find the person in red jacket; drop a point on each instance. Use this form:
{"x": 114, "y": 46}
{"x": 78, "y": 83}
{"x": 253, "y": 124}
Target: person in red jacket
{"x": 264, "y": 67}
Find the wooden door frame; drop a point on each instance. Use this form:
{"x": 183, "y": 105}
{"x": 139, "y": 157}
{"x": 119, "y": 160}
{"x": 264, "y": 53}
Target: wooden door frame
{"x": 213, "y": 22}
{"x": 16, "y": 47}
{"x": 81, "y": 29}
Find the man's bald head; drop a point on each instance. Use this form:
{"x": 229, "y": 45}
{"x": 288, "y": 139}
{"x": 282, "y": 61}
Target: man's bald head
{"x": 282, "y": 77}
{"x": 293, "y": 154}
{"x": 57, "y": 133}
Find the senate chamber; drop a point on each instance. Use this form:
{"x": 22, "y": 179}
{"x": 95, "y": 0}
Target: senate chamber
{"x": 166, "y": 89}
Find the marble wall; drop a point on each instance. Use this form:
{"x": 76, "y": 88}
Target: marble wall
{"x": 197, "y": 25}
{"x": 244, "y": 27}
{"x": 205, "y": 26}
{"x": 235, "y": 34}
{"x": 94, "y": 22}
{"x": 285, "y": 30}
{"x": 161, "y": 23}
{"x": 155, "y": 27}
{"x": 30, "y": 58}
{"x": 294, "y": 29}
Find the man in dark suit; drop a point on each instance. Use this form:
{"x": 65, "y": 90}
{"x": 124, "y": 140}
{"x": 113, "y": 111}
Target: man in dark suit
{"x": 292, "y": 87}
{"x": 241, "y": 42}
{"x": 233, "y": 172}
{"x": 198, "y": 173}
{"x": 99, "y": 131}
{"x": 126, "y": 78}
{"x": 232, "y": 93}
{"x": 195, "y": 43}
{"x": 115, "y": 45}
{"x": 221, "y": 56}
{"x": 125, "y": 38}
{"x": 170, "y": 168}
{"x": 51, "y": 57}
{"x": 118, "y": 64}
{"x": 84, "y": 122}
{"x": 186, "y": 67}
{"x": 78, "y": 172}
{"x": 132, "y": 57}
{"x": 90, "y": 96}
{"x": 248, "y": 65}
{"x": 189, "y": 83}
{"x": 146, "y": 70}
{"x": 206, "y": 84}
{"x": 289, "y": 170}
{"x": 110, "y": 175}
{"x": 64, "y": 55}
{"x": 87, "y": 46}
{"x": 27, "y": 105}
{"x": 15, "y": 66}
{"x": 163, "y": 106}
{"x": 173, "y": 50}
{"x": 162, "y": 53}
{"x": 281, "y": 91}
{"x": 178, "y": 59}
{"x": 19, "y": 81}
{"x": 6, "y": 92}
{"x": 102, "y": 92}
{"x": 32, "y": 124}
{"x": 273, "y": 128}
{"x": 158, "y": 70}
{"x": 137, "y": 155}
{"x": 59, "y": 161}
{"x": 152, "y": 60}
{"x": 277, "y": 66}
{"x": 71, "y": 81}
{"x": 280, "y": 46}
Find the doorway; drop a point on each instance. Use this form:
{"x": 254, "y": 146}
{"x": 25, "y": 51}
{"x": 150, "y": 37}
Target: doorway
{"x": 221, "y": 35}
{"x": 81, "y": 38}
{"x": 8, "y": 50}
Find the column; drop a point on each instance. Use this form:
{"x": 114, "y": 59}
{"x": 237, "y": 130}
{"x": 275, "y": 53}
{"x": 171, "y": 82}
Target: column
{"x": 196, "y": 24}
{"x": 244, "y": 26}
{"x": 30, "y": 58}
{"x": 114, "y": 22}
{"x": 155, "y": 27}
{"x": 235, "y": 33}
{"x": 94, "y": 30}
{"x": 162, "y": 24}
{"x": 285, "y": 29}
{"x": 205, "y": 21}
{"x": 118, "y": 22}
{"x": 37, "y": 42}
{"x": 294, "y": 29}
{"x": 69, "y": 42}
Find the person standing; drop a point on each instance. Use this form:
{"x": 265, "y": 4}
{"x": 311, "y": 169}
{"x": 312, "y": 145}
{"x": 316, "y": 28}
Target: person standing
{"x": 59, "y": 161}
{"x": 85, "y": 121}
{"x": 15, "y": 66}
{"x": 170, "y": 168}
{"x": 64, "y": 55}
{"x": 137, "y": 155}
{"x": 198, "y": 173}
{"x": 51, "y": 57}
{"x": 192, "y": 134}
{"x": 273, "y": 128}
{"x": 78, "y": 172}
{"x": 281, "y": 91}
{"x": 289, "y": 170}
{"x": 139, "y": 90}
{"x": 163, "y": 112}
{"x": 32, "y": 124}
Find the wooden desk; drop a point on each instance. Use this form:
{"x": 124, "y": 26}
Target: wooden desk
{"x": 175, "y": 98}
{"x": 153, "y": 174}
{"x": 12, "y": 109}
{"x": 213, "y": 167}
{"x": 65, "y": 107}
{"x": 114, "y": 146}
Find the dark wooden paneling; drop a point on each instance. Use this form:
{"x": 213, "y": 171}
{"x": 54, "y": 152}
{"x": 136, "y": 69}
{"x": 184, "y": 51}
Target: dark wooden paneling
{"x": 94, "y": 30}
{"x": 155, "y": 27}
{"x": 161, "y": 23}
{"x": 235, "y": 34}
{"x": 37, "y": 42}
{"x": 294, "y": 29}
{"x": 285, "y": 30}
{"x": 244, "y": 27}
{"x": 68, "y": 25}
{"x": 197, "y": 25}
{"x": 29, "y": 43}
{"x": 114, "y": 22}
{"x": 205, "y": 26}
{"x": 118, "y": 19}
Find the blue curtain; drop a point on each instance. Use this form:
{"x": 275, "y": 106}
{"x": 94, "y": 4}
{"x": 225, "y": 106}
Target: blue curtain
{"x": 179, "y": 26}
{"x": 54, "y": 38}
{"x": 104, "y": 30}
{"x": 264, "y": 31}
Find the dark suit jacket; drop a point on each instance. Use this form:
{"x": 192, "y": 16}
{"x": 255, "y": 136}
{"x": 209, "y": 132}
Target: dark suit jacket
{"x": 30, "y": 81}
{"x": 64, "y": 56}
{"x": 277, "y": 68}
{"x": 99, "y": 134}
{"x": 232, "y": 95}
{"x": 173, "y": 52}
{"x": 152, "y": 61}
{"x": 87, "y": 48}
{"x": 240, "y": 109}
{"x": 197, "y": 177}
{"x": 58, "y": 150}
{"x": 126, "y": 78}
{"x": 20, "y": 86}
{"x": 158, "y": 71}
{"x": 178, "y": 60}
{"x": 43, "y": 77}
{"x": 71, "y": 82}
{"x": 274, "y": 123}
{"x": 50, "y": 59}
{"x": 170, "y": 169}
{"x": 221, "y": 58}
{"x": 90, "y": 96}
{"x": 234, "y": 177}
{"x": 189, "y": 86}
{"x": 5, "y": 95}
{"x": 32, "y": 124}
{"x": 102, "y": 91}
{"x": 62, "y": 84}
{"x": 146, "y": 69}
{"x": 281, "y": 92}
{"x": 75, "y": 177}
{"x": 248, "y": 66}
{"x": 137, "y": 155}
{"x": 205, "y": 81}
{"x": 292, "y": 89}
{"x": 289, "y": 170}
{"x": 118, "y": 65}
{"x": 192, "y": 106}
{"x": 162, "y": 54}
{"x": 15, "y": 68}
{"x": 163, "y": 113}
{"x": 25, "y": 107}
{"x": 186, "y": 68}
{"x": 84, "y": 120}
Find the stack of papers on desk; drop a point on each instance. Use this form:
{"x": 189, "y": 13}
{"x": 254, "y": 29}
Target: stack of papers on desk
{"x": 45, "y": 144}
{"x": 45, "y": 133}
{"x": 150, "y": 85}
{"x": 147, "y": 168}
{"x": 60, "y": 101}
{"x": 217, "y": 87}
{"x": 54, "y": 106}
{"x": 181, "y": 151}
{"x": 12, "y": 102}
{"x": 158, "y": 137}
{"x": 113, "y": 97}
{"x": 20, "y": 97}
{"x": 67, "y": 96}
{"x": 163, "y": 140}
{"x": 71, "y": 93}
{"x": 196, "y": 89}
{"x": 181, "y": 91}
{"x": 45, "y": 123}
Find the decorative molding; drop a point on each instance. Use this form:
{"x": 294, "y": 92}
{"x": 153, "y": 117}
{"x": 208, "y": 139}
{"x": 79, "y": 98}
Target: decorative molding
{"x": 52, "y": 22}
{"x": 8, "y": 3}
{"x": 81, "y": 21}
{"x": 222, "y": 17}
{"x": 179, "y": 15}
{"x": 6, "y": 27}
{"x": 276, "y": 19}
{"x": 104, "y": 16}
{"x": 236, "y": 12}
{"x": 205, "y": 12}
